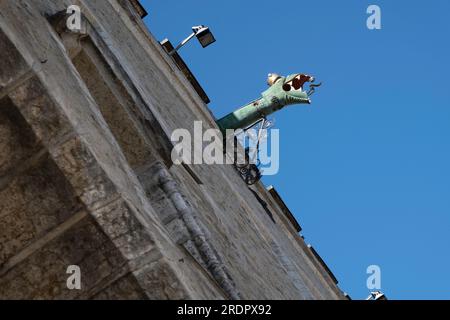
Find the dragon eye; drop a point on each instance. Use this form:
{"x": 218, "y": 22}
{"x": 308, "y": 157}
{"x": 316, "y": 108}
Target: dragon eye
{"x": 287, "y": 87}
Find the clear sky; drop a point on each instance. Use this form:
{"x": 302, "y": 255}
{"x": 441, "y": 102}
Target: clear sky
{"x": 365, "y": 168}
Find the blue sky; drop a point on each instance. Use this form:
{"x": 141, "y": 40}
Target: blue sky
{"x": 365, "y": 168}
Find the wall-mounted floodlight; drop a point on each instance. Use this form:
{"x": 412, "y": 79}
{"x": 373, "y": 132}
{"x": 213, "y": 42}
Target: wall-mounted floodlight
{"x": 203, "y": 34}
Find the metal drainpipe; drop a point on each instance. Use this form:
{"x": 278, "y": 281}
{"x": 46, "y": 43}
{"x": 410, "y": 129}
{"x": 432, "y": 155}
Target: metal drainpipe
{"x": 186, "y": 213}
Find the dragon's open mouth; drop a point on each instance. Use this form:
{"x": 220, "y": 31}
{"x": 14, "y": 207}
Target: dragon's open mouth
{"x": 294, "y": 87}
{"x": 297, "y": 82}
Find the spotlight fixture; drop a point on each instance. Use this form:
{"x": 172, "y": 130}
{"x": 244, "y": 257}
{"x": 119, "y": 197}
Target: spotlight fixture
{"x": 203, "y": 34}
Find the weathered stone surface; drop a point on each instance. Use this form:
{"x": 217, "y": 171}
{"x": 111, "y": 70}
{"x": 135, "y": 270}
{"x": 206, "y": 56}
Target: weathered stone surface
{"x": 126, "y": 288}
{"x": 131, "y": 142}
{"x": 32, "y": 204}
{"x": 80, "y": 167}
{"x": 121, "y": 225}
{"x": 43, "y": 275}
{"x": 34, "y": 197}
{"x": 17, "y": 140}
{"x": 13, "y": 64}
{"x": 39, "y": 110}
{"x": 159, "y": 282}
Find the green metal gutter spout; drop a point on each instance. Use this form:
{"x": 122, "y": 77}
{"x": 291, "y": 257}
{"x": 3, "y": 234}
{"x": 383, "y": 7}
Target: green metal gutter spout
{"x": 283, "y": 91}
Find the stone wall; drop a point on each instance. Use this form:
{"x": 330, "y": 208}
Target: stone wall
{"x": 86, "y": 177}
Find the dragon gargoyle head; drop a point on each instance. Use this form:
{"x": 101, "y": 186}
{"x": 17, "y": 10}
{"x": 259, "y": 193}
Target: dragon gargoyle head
{"x": 289, "y": 90}
{"x": 283, "y": 91}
